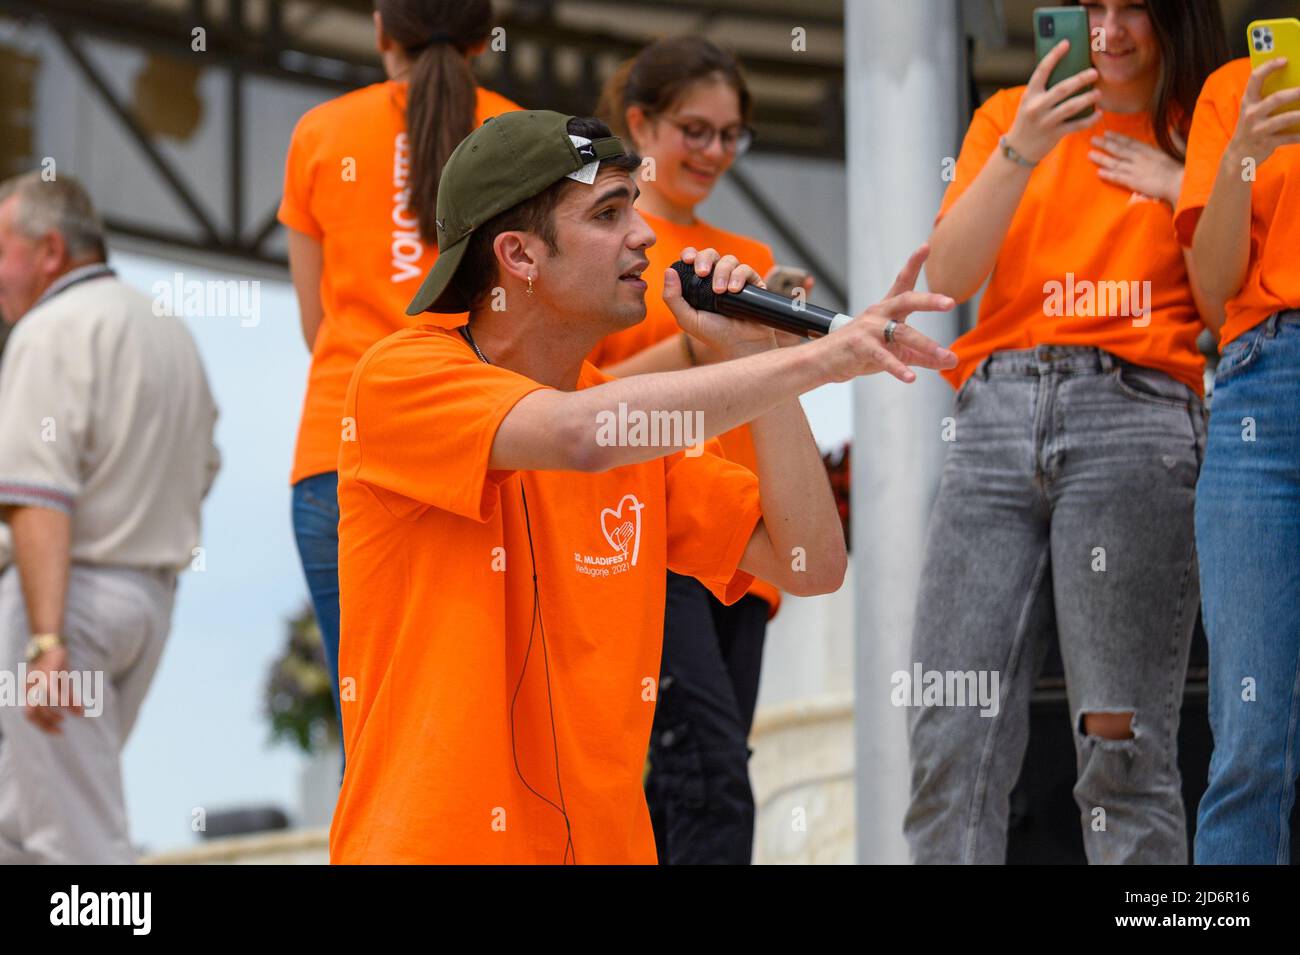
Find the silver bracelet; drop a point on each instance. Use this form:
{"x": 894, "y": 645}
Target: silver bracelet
{"x": 1009, "y": 151}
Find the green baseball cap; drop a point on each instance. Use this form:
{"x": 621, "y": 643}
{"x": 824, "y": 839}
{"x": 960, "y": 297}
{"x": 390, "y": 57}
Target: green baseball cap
{"x": 510, "y": 158}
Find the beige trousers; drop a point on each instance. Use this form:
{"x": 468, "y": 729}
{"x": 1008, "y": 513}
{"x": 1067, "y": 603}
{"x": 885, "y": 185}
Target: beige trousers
{"x": 61, "y": 796}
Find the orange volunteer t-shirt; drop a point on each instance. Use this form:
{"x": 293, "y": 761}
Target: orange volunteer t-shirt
{"x": 466, "y": 702}
{"x": 671, "y": 238}
{"x": 346, "y": 185}
{"x": 1273, "y": 275}
{"x": 1085, "y": 262}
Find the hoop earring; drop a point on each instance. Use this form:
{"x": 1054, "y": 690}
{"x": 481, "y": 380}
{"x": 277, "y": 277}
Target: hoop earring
{"x": 530, "y": 284}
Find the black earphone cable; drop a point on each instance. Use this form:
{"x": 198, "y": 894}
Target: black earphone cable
{"x": 538, "y": 623}
{"x": 550, "y": 704}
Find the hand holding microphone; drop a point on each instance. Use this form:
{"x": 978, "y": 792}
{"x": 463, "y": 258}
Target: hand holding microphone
{"x": 756, "y": 303}
{"x": 725, "y": 305}
{"x": 722, "y": 274}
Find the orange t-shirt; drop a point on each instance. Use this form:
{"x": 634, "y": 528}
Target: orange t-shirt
{"x": 438, "y": 629}
{"x": 670, "y": 239}
{"x": 1084, "y": 259}
{"x": 345, "y": 185}
{"x": 1273, "y": 275}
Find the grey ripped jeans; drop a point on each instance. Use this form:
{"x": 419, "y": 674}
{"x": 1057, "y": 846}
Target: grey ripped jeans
{"x": 1067, "y": 494}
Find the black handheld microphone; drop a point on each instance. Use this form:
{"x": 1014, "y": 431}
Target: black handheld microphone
{"x": 758, "y": 305}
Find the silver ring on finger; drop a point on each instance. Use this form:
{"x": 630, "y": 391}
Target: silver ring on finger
{"x": 890, "y": 327}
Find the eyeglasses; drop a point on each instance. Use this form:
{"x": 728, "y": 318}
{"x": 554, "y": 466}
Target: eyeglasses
{"x": 697, "y": 134}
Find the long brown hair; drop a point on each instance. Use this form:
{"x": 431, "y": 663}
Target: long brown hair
{"x": 656, "y": 78}
{"x": 1193, "y": 45}
{"x": 441, "y": 95}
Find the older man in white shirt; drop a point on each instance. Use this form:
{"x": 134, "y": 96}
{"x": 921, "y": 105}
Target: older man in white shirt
{"x": 6, "y": 548}
{"x": 106, "y": 453}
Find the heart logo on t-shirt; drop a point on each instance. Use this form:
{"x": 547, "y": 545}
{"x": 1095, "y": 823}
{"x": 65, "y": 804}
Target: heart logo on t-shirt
{"x": 623, "y": 530}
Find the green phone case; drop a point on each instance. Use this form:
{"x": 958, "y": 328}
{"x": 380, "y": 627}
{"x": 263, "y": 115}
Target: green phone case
{"x": 1066, "y": 23}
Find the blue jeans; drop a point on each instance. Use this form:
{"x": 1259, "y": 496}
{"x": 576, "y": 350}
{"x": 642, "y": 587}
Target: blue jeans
{"x": 316, "y": 528}
{"x": 1248, "y": 537}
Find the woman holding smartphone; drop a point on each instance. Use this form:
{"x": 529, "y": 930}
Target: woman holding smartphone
{"x": 685, "y": 106}
{"x": 1240, "y": 216}
{"x": 361, "y": 182}
{"x": 1066, "y": 501}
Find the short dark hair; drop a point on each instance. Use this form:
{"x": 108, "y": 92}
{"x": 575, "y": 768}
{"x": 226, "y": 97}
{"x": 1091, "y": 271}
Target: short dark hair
{"x": 477, "y": 274}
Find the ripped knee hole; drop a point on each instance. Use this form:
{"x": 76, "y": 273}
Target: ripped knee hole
{"x": 1107, "y": 725}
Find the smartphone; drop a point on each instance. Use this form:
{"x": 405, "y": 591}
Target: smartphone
{"x": 1270, "y": 39}
{"x": 1051, "y": 26}
{"x": 786, "y": 279}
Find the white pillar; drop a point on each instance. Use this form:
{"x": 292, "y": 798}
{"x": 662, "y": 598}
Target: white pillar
{"x": 905, "y": 82}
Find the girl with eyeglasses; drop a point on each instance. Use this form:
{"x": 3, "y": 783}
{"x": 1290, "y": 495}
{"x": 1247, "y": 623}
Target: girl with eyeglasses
{"x": 685, "y": 106}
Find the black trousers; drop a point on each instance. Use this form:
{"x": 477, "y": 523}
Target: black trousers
{"x": 701, "y": 803}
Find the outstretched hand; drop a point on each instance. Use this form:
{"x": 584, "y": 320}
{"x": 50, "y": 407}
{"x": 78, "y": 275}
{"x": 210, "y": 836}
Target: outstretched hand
{"x": 860, "y": 348}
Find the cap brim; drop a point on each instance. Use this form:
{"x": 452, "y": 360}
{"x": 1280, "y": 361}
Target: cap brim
{"x": 437, "y": 292}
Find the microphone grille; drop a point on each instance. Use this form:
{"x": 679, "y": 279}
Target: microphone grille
{"x": 697, "y": 292}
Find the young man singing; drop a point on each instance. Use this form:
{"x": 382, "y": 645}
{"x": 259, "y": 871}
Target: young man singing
{"x": 502, "y": 558}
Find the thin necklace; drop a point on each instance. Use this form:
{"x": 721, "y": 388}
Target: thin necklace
{"x": 465, "y": 334}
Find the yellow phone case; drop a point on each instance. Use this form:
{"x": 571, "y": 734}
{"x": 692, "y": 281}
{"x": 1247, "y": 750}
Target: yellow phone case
{"x": 1270, "y": 39}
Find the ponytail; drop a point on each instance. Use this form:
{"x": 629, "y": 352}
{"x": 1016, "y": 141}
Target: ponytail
{"x": 442, "y": 95}
{"x": 440, "y": 110}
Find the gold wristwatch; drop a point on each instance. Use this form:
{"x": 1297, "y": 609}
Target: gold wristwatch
{"x": 42, "y": 643}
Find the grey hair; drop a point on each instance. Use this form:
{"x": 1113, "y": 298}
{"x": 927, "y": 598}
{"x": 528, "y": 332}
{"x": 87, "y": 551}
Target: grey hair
{"x": 60, "y": 205}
